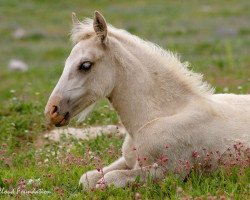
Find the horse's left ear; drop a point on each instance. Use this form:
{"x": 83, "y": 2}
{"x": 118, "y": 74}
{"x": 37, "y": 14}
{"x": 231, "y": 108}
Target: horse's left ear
{"x": 100, "y": 26}
{"x": 75, "y": 20}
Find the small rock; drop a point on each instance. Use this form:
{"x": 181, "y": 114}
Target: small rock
{"x": 17, "y": 65}
{"x": 137, "y": 196}
{"x": 19, "y": 33}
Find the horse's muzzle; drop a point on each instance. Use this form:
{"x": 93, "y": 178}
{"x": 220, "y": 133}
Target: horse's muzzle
{"x": 54, "y": 114}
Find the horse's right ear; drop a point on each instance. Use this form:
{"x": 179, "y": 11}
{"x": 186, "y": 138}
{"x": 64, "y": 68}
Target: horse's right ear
{"x": 100, "y": 26}
{"x": 75, "y": 20}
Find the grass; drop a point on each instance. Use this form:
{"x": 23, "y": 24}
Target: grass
{"x": 213, "y": 36}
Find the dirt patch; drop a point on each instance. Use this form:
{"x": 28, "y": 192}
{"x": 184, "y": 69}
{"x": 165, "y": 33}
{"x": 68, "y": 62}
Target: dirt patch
{"x": 78, "y": 133}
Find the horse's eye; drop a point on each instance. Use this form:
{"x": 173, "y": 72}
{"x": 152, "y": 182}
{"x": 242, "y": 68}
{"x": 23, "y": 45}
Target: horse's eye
{"x": 85, "y": 66}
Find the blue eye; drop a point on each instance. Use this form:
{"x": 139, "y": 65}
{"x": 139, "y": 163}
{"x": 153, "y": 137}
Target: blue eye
{"x": 85, "y": 66}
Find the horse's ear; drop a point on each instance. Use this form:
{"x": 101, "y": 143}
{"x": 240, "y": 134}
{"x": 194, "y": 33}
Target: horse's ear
{"x": 100, "y": 26}
{"x": 75, "y": 20}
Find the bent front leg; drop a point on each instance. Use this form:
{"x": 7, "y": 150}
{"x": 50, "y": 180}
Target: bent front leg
{"x": 120, "y": 178}
{"x": 90, "y": 178}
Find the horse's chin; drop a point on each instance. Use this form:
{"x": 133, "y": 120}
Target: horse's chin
{"x": 65, "y": 122}
{"x": 82, "y": 115}
{"x": 61, "y": 125}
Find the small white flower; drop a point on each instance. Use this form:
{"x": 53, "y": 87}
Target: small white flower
{"x": 12, "y": 91}
{"x": 46, "y": 160}
{"x": 30, "y": 181}
{"x": 155, "y": 165}
{"x": 38, "y": 181}
{"x": 239, "y": 87}
{"x": 225, "y": 89}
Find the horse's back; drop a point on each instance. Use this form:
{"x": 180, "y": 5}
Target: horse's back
{"x": 233, "y": 99}
{"x": 233, "y": 116}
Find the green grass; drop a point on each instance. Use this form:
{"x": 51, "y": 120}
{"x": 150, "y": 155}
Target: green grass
{"x": 213, "y": 36}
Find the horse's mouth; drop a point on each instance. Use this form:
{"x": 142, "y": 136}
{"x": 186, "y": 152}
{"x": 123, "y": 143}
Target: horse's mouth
{"x": 59, "y": 114}
{"x": 64, "y": 121}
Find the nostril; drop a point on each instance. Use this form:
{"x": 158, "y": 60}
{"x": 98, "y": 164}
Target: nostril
{"x": 54, "y": 110}
{"x": 66, "y": 116}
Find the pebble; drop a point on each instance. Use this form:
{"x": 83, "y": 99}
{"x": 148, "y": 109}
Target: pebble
{"x": 17, "y": 65}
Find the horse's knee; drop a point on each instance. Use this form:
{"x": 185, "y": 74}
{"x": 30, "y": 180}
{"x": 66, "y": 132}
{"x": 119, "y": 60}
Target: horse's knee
{"x": 129, "y": 152}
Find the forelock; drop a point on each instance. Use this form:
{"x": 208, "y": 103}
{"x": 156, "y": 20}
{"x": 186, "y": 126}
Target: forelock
{"x": 82, "y": 30}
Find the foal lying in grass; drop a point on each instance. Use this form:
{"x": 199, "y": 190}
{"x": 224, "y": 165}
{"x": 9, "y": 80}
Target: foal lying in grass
{"x": 169, "y": 113}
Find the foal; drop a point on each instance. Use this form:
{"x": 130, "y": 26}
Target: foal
{"x": 168, "y": 111}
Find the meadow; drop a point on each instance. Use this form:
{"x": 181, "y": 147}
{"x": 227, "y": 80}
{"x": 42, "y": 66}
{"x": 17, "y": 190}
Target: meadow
{"x": 214, "y": 36}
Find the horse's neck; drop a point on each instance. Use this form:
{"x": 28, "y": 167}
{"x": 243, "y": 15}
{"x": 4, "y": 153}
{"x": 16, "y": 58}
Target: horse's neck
{"x": 145, "y": 90}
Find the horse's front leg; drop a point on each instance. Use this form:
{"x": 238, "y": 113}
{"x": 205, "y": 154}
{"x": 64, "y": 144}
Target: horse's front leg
{"x": 90, "y": 178}
{"x": 120, "y": 178}
{"x": 127, "y": 161}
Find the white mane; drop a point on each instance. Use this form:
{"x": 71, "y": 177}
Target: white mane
{"x": 170, "y": 60}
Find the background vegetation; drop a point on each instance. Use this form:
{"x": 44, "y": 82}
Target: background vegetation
{"x": 214, "y": 36}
